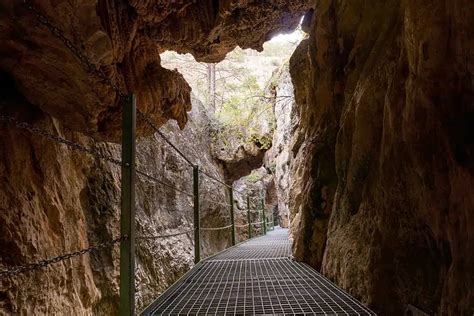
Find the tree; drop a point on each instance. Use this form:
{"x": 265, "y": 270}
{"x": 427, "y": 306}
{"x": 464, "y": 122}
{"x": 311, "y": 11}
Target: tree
{"x": 211, "y": 87}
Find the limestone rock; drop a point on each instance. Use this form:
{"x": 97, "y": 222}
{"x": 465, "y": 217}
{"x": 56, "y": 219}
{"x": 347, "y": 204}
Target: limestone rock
{"x": 240, "y": 151}
{"x": 382, "y": 179}
{"x": 279, "y": 156}
{"x": 255, "y": 186}
{"x": 121, "y": 40}
{"x": 55, "y": 201}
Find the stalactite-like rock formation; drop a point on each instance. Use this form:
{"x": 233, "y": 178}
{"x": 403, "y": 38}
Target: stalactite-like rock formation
{"x": 123, "y": 39}
{"x": 383, "y": 179}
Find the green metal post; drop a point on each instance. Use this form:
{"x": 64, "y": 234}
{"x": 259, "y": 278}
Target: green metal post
{"x": 249, "y": 220}
{"x": 197, "y": 220}
{"x": 264, "y": 217}
{"x": 127, "y": 215}
{"x": 231, "y": 194}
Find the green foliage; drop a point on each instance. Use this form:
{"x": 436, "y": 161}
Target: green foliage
{"x": 239, "y": 108}
{"x": 254, "y": 177}
{"x": 242, "y": 104}
{"x": 262, "y": 141}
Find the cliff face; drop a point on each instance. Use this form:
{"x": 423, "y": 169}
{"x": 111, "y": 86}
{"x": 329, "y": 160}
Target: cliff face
{"x": 55, "y": 201}
{"x": 256, "y": 186}
{"x": 238, "y": 152}
{"x": 164, "y": 211}
{"x": 382, "y": 189}
{"x": 279, "y": 156}
{"x": 56, "y": 58}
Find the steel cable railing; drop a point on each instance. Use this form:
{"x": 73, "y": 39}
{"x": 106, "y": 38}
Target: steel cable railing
{"x": 145, "y": 237}
{"x": 85, "y": 60}
{"x": 216, "y": 228}
{"x": 242, "y": 226}
{"x": 58, "y": 139}
{"x": 215, "y": 202}
{"x": 150, "y": 123}
{"x": 79, "y": 147}
{"x": 23, "y": 268}
{"x": 155, "y": 179}
{"x": 215, "y": 179}
{"x": 75, "y": 146}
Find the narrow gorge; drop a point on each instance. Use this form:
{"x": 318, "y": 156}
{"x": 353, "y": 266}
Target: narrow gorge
{"x": 359, "y": 141}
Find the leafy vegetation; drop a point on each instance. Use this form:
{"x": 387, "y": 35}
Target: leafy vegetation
{"x": 254, "y": 176}
{"x": 262, "y": 141}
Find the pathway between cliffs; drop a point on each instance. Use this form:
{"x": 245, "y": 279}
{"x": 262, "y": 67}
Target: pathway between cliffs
{"x": 256, "y": 277}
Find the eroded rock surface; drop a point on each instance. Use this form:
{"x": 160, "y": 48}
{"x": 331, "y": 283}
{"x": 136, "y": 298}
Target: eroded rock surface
{"x": 382, "y": 181}
{"x": 121, "y": 41}
{"x": 239, "y": 158}
{"x": 255, "y": 187}
{"x": 279, "y": 156}
{"x": 242, "y": 149}
{"x": 55, "y": 201}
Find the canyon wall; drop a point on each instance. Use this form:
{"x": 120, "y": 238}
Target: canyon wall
{"x": 64, "y": 67}
{"x": 54, "y": 201}
{"x": 242, "y": 152}
{"x": 279, "y": 157}
{"x": 255, "y": 187}
{"x": 238, "y": 151}
{"x": 382, "y": 190}
{"x": 162, "y": 210}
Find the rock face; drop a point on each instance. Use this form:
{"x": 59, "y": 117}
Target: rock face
{"x": 120, "y": 42}
{"x": 63, "y": 67}
{"x": 239, "y": 153}
{"x": 55, "y": 201}
{"x": 382, "y": 191}
{"x": 255, "y": 186}
{"x": 164, "y": 211}
{"x": 279, "y": 157}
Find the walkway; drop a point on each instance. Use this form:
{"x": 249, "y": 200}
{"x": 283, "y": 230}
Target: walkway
{"x": 255, "y": 277}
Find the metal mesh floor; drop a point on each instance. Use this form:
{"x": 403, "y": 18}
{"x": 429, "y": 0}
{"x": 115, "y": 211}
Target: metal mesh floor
{"x": 273, "y": 245}
{"x": 244, "y": 286}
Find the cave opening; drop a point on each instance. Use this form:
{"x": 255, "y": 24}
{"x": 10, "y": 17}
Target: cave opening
{"x": 247, "y": 100}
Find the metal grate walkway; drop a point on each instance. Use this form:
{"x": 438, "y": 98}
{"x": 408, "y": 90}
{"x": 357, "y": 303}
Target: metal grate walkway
{"x": 256, "y": 277}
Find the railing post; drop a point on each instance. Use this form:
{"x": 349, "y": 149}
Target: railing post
{"x": 264, "y": 217}
{"x": 231, "y": 194}
{"x": 197, "y": 220}
{"x": 127, "y": 215}
{"x": 248, "y": 217}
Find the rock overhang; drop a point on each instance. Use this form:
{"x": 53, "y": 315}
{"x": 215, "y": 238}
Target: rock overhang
{"x": 123, "y": 40}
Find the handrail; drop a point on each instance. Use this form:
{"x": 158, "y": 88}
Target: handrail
{"x": 216, "y": 228}
{"x": 157, "y": 130}
{"x": 215, "y": 179}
